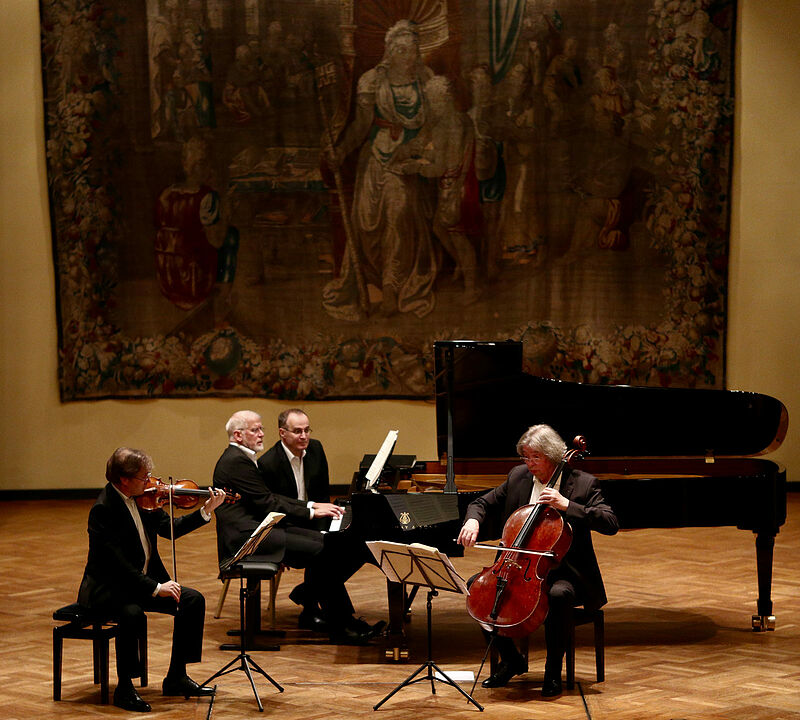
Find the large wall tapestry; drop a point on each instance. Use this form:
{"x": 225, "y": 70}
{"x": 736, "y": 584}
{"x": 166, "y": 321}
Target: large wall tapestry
{"x": 296, "y": 198}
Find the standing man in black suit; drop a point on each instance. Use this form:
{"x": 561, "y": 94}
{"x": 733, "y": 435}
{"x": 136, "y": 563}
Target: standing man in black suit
{"x": 329, "y": 559}
{"x": 577, "y": 580}
{"x": 125, "y": 576}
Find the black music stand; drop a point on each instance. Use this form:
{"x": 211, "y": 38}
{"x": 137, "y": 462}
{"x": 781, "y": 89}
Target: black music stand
{"x": 243, "y": 661}
{"x": 423, "y": 566}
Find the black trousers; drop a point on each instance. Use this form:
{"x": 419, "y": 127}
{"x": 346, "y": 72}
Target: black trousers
{"x": 187, "y": 633}
{"x": 329, "y": 560}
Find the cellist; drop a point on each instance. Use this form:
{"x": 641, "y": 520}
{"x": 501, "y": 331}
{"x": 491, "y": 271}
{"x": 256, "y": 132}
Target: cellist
{"x": 577, "y": 580}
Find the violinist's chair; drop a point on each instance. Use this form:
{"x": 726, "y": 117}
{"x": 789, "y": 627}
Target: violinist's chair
{"x": 80, "y": 623}
{"x": 581, "y": 616}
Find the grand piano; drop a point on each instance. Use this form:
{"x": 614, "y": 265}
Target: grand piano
{"x": 665, "y": 457}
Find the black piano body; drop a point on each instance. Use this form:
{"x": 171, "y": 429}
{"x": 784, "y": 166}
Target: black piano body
{"x": 666, "y": 457}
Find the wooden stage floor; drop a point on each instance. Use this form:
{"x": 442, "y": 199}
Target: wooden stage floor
{"x": 678, "y": 638}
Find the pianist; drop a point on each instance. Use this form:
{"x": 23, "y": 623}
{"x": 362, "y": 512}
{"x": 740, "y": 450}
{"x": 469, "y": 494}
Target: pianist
{"x": 296, "y": 466}
{"x": 577, "y": 581}
{"x": 329, "y": 560}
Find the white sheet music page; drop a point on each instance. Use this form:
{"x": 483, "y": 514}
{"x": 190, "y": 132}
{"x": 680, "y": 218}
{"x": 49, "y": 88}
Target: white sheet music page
{"x": 255, "y": 539}
{"x": 417, "y": 564}
{"x": 375, "y": 469}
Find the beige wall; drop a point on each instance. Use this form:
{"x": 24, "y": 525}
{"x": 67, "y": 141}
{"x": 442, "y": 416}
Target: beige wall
{"x": 44, "y": 444}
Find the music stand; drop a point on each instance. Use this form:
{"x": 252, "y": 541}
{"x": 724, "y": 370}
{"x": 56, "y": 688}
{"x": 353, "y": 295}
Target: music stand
{"x": 243, "y": 661}
{"x": 423, "y": 566}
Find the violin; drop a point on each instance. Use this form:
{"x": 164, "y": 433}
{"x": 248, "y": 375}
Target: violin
{"x": 511, "y": 595}
{"x": 185, "y": 494}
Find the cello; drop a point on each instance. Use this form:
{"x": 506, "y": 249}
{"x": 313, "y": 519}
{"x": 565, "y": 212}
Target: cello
{"x": 511, "y": 595}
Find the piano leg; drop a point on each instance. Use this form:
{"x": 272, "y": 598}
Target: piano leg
{"x": 396, "y": 642}
{"x": 765, "y": 620}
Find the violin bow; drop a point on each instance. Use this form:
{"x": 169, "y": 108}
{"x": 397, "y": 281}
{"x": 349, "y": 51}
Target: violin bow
{"x": 172, "y": 532}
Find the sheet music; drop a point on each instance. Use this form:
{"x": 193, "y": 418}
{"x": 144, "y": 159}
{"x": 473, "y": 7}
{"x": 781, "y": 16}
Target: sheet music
{"x": 375, "y": 469}
{"x": 417, "y": 564}
{"x": 255, "y": 539}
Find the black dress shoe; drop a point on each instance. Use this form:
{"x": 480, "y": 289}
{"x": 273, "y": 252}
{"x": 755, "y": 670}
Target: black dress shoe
{"x": 551, "y": 687}
{"x": 362, "y": 626}
{"x": 348, "y": 636}
{"x": 298, "y": 595}
{"x": 184, "y": 686}
{"x": 505, "y": 671}
{"x": 310, "y": 620}
{"x": 128, "y": 699}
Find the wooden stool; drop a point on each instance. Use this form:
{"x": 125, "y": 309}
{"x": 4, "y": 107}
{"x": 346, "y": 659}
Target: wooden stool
{"x": 84, "y": 624}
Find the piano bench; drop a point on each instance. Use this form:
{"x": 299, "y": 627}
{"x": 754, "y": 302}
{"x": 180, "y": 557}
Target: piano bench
{"x": 254, "y": 570}
{"x": 581, "y": 616}
{"x": 81, "y": 623}
{"x": 251, "y": 570}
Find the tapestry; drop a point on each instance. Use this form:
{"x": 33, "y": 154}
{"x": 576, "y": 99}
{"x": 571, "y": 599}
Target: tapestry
{"x": 297, "y": 198}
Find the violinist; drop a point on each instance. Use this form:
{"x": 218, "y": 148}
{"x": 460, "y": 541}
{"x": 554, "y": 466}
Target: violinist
{"x": 125, "y": 575}
{"x": 577, "y": 580}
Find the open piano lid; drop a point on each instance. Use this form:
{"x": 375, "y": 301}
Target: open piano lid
{"x": 492, "y": 402}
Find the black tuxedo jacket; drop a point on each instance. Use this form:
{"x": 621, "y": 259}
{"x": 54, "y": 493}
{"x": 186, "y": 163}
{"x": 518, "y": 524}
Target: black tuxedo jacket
{"x": 236, "y": 521}
{"x": 278, "y": 475}
{"x": 587, "y": 511}
{"x": 113, "y": 573}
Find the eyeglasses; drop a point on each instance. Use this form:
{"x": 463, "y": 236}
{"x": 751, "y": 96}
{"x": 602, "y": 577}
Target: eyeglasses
{"x": 254, "y": 430}
{"x": 531, "y": 459}
{"x": 298, "y": 431}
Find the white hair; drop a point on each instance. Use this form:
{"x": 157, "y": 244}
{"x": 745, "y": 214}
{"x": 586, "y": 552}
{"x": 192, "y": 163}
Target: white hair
{"x": 239, "y": 420}
{"x": 545, "y": 440}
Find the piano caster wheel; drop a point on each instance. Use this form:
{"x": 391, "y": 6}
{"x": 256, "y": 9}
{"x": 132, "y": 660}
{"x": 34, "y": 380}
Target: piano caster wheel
{"x": 396, "y": 654}
{"x": 762, "y": 623}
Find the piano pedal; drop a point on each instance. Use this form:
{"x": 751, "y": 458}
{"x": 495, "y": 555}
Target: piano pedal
{"x": 763, "y": 623}
{"x": 396, "y": 654}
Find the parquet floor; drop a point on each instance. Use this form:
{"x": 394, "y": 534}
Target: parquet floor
{"x": 678, "y": 638}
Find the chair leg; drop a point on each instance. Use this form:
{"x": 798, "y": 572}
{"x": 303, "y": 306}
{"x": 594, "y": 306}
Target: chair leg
{"x": 570, "y": 657}
{"x": 143, "y": 655}
{"x": 223, "y": 594}
{"x": 599, "y": 647}
{"x": 103, "y": 662}
{"x": 58, "y": 645}
{"x": 97, "y": 653}
{"x": 274, "y": 584}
